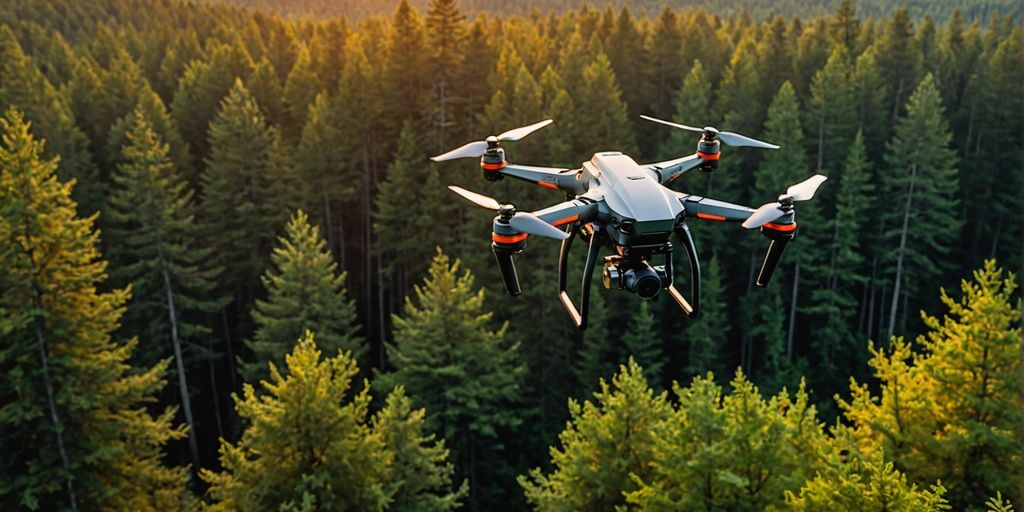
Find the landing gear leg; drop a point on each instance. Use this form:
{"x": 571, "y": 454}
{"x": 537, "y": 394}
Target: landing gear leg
{"x": 579, "y": 316}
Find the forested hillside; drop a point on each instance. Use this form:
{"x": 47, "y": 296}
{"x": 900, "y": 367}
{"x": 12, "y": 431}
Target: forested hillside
{"x": 230, "y": 277}
{"x": 759, "y": 9}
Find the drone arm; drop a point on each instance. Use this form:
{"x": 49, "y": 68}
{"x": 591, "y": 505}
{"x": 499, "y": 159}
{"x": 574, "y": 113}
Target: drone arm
{"x": 712, "y": 209}
{"x": 580, "y": 210}
{"x": 547, "y": 177}
{"x": 669, "y": 170}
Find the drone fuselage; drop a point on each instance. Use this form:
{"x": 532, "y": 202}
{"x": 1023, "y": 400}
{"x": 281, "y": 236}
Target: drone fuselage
{"x": 638, "y": 212}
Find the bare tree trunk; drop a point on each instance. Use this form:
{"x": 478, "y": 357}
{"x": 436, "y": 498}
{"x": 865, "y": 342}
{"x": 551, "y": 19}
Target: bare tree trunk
{"x": 179, "y": 363}
{"x": 58, "y": 427}
{"x": 792, "y": 311}
{"x": 216, "y": 399}
{"x": 901, "y": 252}
{"x": 230, "y": 351}
{"x": 328, "y": 231}
{"x": 381, "y": 307}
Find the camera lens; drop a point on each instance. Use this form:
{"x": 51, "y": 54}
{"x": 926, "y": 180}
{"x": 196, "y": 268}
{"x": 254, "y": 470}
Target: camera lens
{"x": 643, "y": 281}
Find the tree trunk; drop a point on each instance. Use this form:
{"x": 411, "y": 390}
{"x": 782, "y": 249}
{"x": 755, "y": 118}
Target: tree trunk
{"x": 216, "y": 399}
{"x": 901, "y": 252}
{"x": 792, "y": 311}
{"x": 230, "y": 351}
{"x": 381, "y": 307}
{"x": 51, "y": 402}
{"x": 179, "y": 363}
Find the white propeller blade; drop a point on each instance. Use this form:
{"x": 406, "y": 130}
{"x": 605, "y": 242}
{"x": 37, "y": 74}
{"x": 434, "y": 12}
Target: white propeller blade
{"x": 519, "y": 133}
{"x": 473, "y": 149}
{"x": 674, "y": 125}
{"x": 527, "y": 222}
{"x": 478, "y": 199}
{"x": 805, "y": 189}
{"x": 738, "y": 140}
{"x": 763, "y": 215}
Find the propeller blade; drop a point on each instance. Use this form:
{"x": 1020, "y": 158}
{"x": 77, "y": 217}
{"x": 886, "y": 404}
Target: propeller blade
{"x": 805, "y": 189}
{"x": 763, "y": 215}
{"x": 471, "y": 150}
{"x": 738, "y": 140}
{"x": 519, "y": 133}
{"x": 674, "y": 125}
{"x": 478, "y": 199}
{"x": 527, "y": 222}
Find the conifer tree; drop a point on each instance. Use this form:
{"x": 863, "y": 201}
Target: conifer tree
{"x": 666, "y": 62}
{"x": 692, "y": 101}
{"x": 950, "y": 412}
{"x": 305, "y": 292}
{"x": 300, "y": 89}
{"x": 152, "y": 107}
{"x": 307, "y": 443}
{"x": 76, "y": 427}
{"x": 243, "y": 184}
{"x": 836, "y": 299}
{"x": 601, "y": 110}
{"x": 26, "y": 88}
{"x": 642, "y": 343}
{"x": 151, "y": 216}
{"x": 406, "y": 77}
{"x": 268, "y": 92}
{"x": 832, "y": 116}
{"x": 921, "y": 183}
{"x": 420, "y": 475}
{"x": 464, "y": 373}
{"x": 446, "y": 32}
{"x": 851, "y": 478}
{"x": 594, "y": 360}
{"x": 735, "y": 451}
{"x": 708, "y": 335}
{"x": 606, "y": 448}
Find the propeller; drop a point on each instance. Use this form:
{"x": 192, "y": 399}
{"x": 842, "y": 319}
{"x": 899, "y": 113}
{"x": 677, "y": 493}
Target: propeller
{"x": 729, "y": 138}
{"x": 524, "y": 222}
{"x": 478, "y": 148}
{"x": 771, "y": 211}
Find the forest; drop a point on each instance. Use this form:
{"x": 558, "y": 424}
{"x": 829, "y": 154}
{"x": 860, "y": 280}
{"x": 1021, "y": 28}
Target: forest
{"x": 232, "y": 279}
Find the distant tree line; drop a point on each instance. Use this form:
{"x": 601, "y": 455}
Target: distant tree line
{"x": 216, "y": 184}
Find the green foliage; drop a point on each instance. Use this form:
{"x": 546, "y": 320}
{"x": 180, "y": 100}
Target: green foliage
{"x": 464, "y": 373}
{"x": 305, "y": 292}
{"x": 950, "y": 412}
{"x": 601, "y": 110}
{"x": 851, "y": 479}
{"x": 308, "y": 443}
{"x": 707, "y": 338}
{"x": 642, "y": 343}
{"x": 76, "y": 425}
{"x": 607, "y": 444}
{"x": 733, "y": 452}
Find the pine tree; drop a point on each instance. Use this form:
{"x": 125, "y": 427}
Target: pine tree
{"x": 305, "y": 292}
{"x": 642, "y": 343}
{"x": 406, "y": 77}
{"x": 735, "y": 451}
{"x": 300, "y": 89}
{"x": 852, "y": 479}
{"x": 601, "y": 110}
{"x": 707, "y": 337}
{"x": 151, "y": 216}
{"x": 26, "y": 88}
{"x": 243, "y": 184}
{"x": 832, "y": 118}
{"x": 76, "y": 426}
{"x": 666, "y": 62}
{"x": 692, "y": 102}
{"x": 420, "y": 475}
{"x": 606, "y": 448}
{"x": 594, "y": 359}
{"x": 163, "y": 126}
{"x": 446, "y": 32}
{"x": 267, "y": 91}
{"x": 307, "y": 444}
{"x": 842, "y": 274}
{"x": 950, "y": 411}
{"x": 922, "y": 184}
{"x": 464, "y": 373}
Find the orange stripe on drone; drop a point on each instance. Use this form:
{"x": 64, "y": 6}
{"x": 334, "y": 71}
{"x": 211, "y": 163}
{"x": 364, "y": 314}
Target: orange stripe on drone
{"x": 547, "y": 185}
{"x": 566, "y": 220}
{"x": 493, "y": 167}
{"x": 508, "y": 239}
{"x": 781, "y": 227}
{"x": 708, "y": 156}
{"x": 708, "y": 216}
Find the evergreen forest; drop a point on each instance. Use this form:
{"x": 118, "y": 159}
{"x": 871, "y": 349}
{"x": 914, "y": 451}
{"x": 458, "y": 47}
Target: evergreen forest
{"x": 232, "y": 279}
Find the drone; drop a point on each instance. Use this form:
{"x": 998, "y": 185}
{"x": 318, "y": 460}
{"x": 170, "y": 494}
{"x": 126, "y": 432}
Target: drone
{"x": 615, "y": 203}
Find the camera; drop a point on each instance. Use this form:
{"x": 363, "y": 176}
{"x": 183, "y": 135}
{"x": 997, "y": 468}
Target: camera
{"x": 640, "y": 278}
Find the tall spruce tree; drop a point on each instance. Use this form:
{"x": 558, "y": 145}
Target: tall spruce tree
{"x": 707, "y": 337}
{"x": 307, "y": 442}
{"x": 921, "y": 184}
{"x": 464, "y": 373}
{"x": 601, "y": 110}
{"x": 152, "y": 219}
{"x": 642, "y": 343}
{"x": 832, "y": 120}
{"x": 244, "y": 191}
{"x": 446, "y": 33}
{"x": 305, "y": 292}
{"x": 300, "y": 90}
{"x": 77, "y": 430}
{"x": 606, "y": 448}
